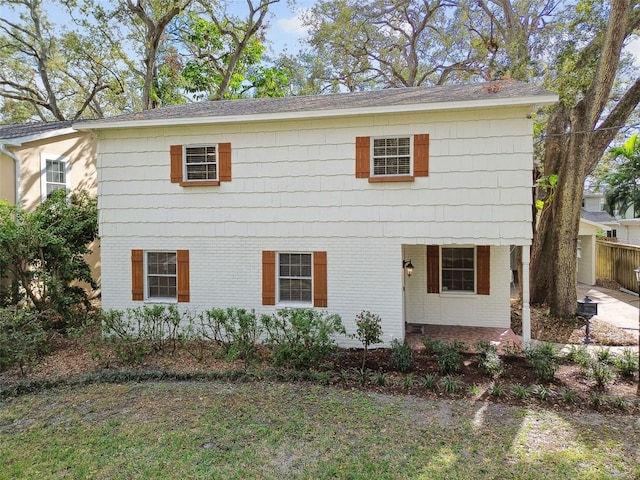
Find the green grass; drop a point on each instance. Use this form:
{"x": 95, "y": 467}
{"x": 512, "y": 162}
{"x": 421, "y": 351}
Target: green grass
{"x": 266, "y": 430}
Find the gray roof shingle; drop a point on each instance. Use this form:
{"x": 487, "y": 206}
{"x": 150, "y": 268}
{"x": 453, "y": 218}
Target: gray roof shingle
{"x": 341, "y": 101}
{"x": 10, "y": 132}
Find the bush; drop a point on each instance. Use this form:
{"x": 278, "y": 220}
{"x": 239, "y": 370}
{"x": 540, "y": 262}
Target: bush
{"x": 302, "y": 337}
{"x": 543, "y": 359}
{"x": 235, "y": 330}
{"x": 22, "y": 338}
{"x": 368, "y": 331}
{"x": 402, "y": 356}
{"x": 627, "y": 363}
{"x": 602, "y": 373}
{"x": 137, "y": 332}
{"x": 447, "y": 353}
{"x": 488, "y": 359}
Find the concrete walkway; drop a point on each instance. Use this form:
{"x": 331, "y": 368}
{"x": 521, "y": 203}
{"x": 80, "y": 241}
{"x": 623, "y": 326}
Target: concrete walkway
{"x": 614, "y": 306}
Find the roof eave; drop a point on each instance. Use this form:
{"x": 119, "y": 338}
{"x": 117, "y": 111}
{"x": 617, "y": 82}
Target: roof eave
{"x": 314, "y": 114}
{"x": 19, "y": 141}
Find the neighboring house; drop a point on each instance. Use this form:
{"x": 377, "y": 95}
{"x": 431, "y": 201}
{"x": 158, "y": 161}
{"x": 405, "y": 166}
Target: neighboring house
{"x": 37, "y": 158}
{"x": 593, "y": 209}
{"x": 590, "y": 228}
{"x": 321, "y": 202}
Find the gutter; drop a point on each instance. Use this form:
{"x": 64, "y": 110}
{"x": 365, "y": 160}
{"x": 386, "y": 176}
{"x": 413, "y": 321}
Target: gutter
{"x": 3, "y": 149}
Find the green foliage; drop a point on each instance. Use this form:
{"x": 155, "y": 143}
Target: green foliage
{"x": 402, "y": 356}
{"x": 368, "y": 331}
{"x": 488, "y": 359}
{"x": 497, "y": 389}
{"x": 22, "y": 338}
{"x": 449, "y": 384}
{"x": 622, "y": 190}
{"x": 627, "y": 363}
{"x": 602, "y": 373}
{"x": 408, "y": 381}
{"x": 302, "y": 337}
{"x": 448, "y": 354}
{"x": 235, "y": 330}
{"x": 429, "y": 381}
{"x": 137, "y": 332}
{"x": 579, "y": 355}
{"x": 381, "y": 378}
{"x": 520, "y": 391}
{"x": 543, "y": 359}
{"x": 542, "y": 392}
{"x": 568, "y": 396}
{"x": 44, "y": 251}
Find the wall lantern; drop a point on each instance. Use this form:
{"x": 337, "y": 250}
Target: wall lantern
{"x": 587, "y": 308}
{"x": 408, "y": 267}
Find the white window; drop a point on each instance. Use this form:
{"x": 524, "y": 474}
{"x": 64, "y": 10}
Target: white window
{"x": 458, "y": 269}
{"x": 391, "y": 156}
{"x": 200, "y": 163}
{"x": 54, "y": 174}
{"x": 295, "y": 277}
{"x": 161, "y": 275}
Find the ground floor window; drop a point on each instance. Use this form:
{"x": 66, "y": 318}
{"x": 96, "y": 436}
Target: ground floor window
{"x": 162, "y": 277}
{"x": 295, "y": 277}
{"x": 458, "y": 269}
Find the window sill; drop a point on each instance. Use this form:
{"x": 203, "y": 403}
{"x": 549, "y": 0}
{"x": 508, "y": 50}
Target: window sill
{"x": 159, "y": 300}
{"x": 207, "y": 183}
{"x": 399, "y": 178}
{"x": 457, "y": 293}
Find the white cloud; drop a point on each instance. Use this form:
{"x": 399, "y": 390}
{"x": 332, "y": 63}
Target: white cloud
{"x": 292, "y": 26}
{"x": 634, "y": 48}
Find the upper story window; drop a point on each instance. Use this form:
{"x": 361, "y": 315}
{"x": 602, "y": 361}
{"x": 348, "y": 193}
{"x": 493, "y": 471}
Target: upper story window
{"x": 201, "y": 163}
{"x": 295, "y": 277}
{"x": 391, "y": 156}
{"x": 458, "y": 269}
{"x": 54, "y": 174}
{"x": 392, "y": 159}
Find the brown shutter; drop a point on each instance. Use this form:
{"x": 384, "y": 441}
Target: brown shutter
{"x": 224, "y": 162}
{"x": 363, "y": 157}
{"x": 319, "y": 279}
{"x": 268, "y": 278}
{"x": 433, "y": 269}
{"x": 176, "y": 163}
{"x": 137, "y": 275}
{"x": 183, "y": 275}
{"x": 421, "y": 155}
{"x": 483, "y": 275}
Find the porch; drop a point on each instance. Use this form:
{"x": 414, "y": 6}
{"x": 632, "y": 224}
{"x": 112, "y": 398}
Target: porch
{"x": 499, "y": 336}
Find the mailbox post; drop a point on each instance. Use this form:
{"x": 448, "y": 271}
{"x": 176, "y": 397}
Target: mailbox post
{"x": 587, "y": 308}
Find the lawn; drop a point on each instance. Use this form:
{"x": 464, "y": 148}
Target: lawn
{"x": 257, "y": 429}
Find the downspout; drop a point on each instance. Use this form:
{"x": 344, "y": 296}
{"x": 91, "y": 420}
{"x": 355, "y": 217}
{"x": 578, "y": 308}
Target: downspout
{"x": 3, "y": 149}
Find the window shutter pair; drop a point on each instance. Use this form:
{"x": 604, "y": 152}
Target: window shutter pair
{"x": 420, "y": 156}
{"x": 137, "y": 275}
{"x": 483, "y": 271}
{"x": 320, "y": 297}
{"x": 224, "y": 164}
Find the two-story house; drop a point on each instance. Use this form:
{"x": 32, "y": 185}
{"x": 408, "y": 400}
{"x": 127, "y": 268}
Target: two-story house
{"x": 323, "y": 202}
{"x": 38, "y": 158}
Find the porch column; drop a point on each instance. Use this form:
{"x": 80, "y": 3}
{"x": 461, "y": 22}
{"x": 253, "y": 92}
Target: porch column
{"x": 526, "y": 310}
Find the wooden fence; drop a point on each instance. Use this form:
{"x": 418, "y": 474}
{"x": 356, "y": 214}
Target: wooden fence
{"x": 617, "y": 261}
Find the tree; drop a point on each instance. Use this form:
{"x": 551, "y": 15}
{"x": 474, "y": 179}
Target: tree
{"x": 225, "y": 54}
{"x": 48, "y": 72}
{"x": 43, "y": 251}
{"x": 594, "y": 105}
{"x": 622, "y": 183}
{"x": 377, "y": 43}
{"x": 150, "y": 19}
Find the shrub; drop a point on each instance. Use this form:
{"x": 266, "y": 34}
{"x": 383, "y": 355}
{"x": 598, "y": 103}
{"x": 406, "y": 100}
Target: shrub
{"x": 521, "y": 391}
{"x": 368, "y": 331}
{"x": 429, "y": 381}
{"x": 579, "y": 355}
{"x": 235, "y": 330}
{"x": 602, "y": 373}
{"x": 136, "y": 332}
{"x": 627, "y": 363}
{"x": 543, "y": 359}
{"x": 431, "y": 345}
{"x": 300, "y": 338}
{"x": 449, "y": 384}
{"x": 22, "y": 338}
{"x": 402, "y": 356}
{"x": 605, "y": 355}
{"x": 567, "y": 396}
{"x": 488, "y": 359}
{"x": 497, "y": 389}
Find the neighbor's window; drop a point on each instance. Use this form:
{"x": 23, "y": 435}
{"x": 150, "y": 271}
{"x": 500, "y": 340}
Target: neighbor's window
{"x": 161, "y": 275}
{"x": 391, "y": 156}
{"x": 458, "y": 269}
{"x": 55, "y": 174}
{"x": 201, "y": 163}
{"x": 294, "y": 277}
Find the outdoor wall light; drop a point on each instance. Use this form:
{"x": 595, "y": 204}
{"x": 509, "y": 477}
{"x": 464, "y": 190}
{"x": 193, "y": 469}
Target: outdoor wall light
{"x": 408, "y": 267}
{"x": 587, "y": 308}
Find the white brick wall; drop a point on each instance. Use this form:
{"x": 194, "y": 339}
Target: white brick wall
{"x": 294, "y": 188}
